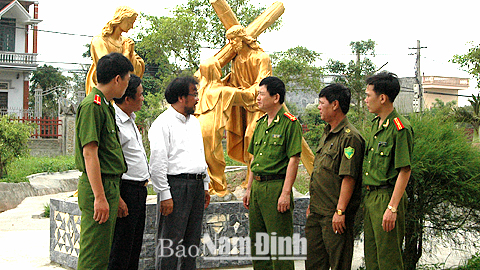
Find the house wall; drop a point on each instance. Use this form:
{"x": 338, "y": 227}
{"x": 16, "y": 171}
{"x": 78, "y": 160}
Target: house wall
{"x": 20, "y": 38}
{"x": 15, "y": 93}
{"x": 430, "y": 98}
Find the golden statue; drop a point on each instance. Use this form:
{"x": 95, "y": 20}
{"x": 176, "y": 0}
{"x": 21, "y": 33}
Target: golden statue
{"x": 230, "y": 103}
{"x": 111, "y": 40}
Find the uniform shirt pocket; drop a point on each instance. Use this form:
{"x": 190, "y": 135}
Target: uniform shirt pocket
{"x": 276, "y": 146}
{"x": 383, "y": 155}
{"x": 111, "y": 141}
{"x": 329, "y": 160}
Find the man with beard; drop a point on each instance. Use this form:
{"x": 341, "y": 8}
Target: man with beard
{"x": 179, "y": 176}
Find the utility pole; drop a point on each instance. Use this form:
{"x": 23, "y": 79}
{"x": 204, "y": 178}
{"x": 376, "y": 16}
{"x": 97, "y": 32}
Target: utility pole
{"x": 418, "y": 88}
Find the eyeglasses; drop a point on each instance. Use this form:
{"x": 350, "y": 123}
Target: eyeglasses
{"x": 194, "y": 94}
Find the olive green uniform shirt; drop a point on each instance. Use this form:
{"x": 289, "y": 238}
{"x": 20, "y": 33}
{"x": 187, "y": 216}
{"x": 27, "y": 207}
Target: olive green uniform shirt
{"x": 389, "y": 148}
{"x": 273, "y": 145}
{"x": 96, "y": 123}
{"x": 340, "y": 153}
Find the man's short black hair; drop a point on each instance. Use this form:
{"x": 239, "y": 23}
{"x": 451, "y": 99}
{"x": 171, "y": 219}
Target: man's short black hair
{"x": 385, "y": 83}
{"x": 111, "y": 65}
{"x": 179, "y": 87}
{"x": 274, "y": 86}
{"x": 338, "y": 92}
{"x": 131, "y": 91}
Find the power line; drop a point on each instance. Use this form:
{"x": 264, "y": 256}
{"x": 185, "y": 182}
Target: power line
{"x": 410, "y": 90}
{"x": 48, "y": 31}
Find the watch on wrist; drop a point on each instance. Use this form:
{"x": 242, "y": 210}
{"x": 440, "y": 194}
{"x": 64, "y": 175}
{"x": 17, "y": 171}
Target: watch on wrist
{"x": 340, "y": 212}
{"x": 393, "y": 209}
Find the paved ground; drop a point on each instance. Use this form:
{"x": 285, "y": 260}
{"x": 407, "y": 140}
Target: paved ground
{"x": 25, "y": 237}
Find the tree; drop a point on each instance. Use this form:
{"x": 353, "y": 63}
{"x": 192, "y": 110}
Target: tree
{"x": 193, "y": 25}
{"x": 13, "y": 141}
{"x": 444, "y": 186}
{"x": 315, "y": 126}
{"x": 48, "y": 78}
{"x": 470, "y": 115}
{"x": 470, "y": 62}
{"x": 296, "y": 67}
{"x": 354, "y": 73}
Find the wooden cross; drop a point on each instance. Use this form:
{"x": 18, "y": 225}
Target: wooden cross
{"x": 254, "y": 29}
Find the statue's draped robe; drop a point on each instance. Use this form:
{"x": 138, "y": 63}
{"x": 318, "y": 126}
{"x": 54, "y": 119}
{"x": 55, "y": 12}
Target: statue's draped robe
{"x": 103, "y": 45}
{"x": 230, "y": 104}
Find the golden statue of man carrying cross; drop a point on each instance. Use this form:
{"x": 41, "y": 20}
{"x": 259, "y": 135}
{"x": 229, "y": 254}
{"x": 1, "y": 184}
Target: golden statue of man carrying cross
{"x": 230, "y": 103}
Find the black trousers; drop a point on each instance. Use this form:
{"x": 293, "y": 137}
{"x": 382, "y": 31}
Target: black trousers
{"x": 128, "y": 238}
{"x": 178, "y": 235}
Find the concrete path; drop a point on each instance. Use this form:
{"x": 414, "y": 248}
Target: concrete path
{"x": 25, "y": 239}
{"x": 25, "y": 236}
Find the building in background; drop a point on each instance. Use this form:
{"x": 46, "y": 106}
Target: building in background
{"x": 18, "y": 53}
{"x": 434, "y": 87}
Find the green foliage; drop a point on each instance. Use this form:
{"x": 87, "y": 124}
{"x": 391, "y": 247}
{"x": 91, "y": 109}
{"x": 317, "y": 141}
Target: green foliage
{"x": 229, "y": 161}
{"x": 214, "y": 36}
{"x": 192, "y": 26}
{"x": 296, "y": 67}
{"x": 20, "y": 168}
{"x": 354, "y": 73}
{"x": 302, "y": 182}
{"x": 153, "y": 106}
{"x": 441, "y": 108}
{"x": 46, "y": 210}
{"x": 14, "y": 136}
{"x": 470, "y": 62}
{"x": 48, "y": 78}
{"x": 444, "y": 185}
{"x": 292, "y": 108}
{"x": 315, "y": 126}
{"x": 470, "y": 115}
{"x": 87, "y": 53}
{"x": 152, "y": 85}
{"x": 472, "y": 264}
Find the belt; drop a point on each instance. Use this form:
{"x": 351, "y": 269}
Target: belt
{"x": 373, "y": 188}
{"x": 135, "y": 183}
{"x": 194, "y": 176}
{"x": 269, "y": 177}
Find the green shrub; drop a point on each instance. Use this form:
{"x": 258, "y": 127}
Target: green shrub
{"x": 14, "y": 136}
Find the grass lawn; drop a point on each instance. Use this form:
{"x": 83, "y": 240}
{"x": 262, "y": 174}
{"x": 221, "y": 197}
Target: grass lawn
{"x": 18, "y": 170}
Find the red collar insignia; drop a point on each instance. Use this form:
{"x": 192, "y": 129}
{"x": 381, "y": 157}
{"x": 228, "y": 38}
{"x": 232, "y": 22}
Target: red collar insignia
{"x": 97, "y": 100}
{"x": 398, "y": 123}
{"x": 290, "y": 116}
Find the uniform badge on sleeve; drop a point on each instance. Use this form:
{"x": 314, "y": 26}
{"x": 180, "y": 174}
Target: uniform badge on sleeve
{"x": 97, "y": 100}
{"x": 349, "y": 152}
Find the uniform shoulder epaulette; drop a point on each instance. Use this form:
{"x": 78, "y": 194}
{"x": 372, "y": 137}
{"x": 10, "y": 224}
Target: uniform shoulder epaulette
{"x": 97, "y": 100}
{"x": 290, "y": 116}
{"x": 261, "y": 117}
{"x": 398, "y": 123}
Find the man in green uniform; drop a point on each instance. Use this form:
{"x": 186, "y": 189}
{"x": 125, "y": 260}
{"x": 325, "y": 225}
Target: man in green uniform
{"x": 276, "y": 145}
{"x": 388, "y": 158}
{"x": 335, "y": 186}
{"x": 98, "y": 154}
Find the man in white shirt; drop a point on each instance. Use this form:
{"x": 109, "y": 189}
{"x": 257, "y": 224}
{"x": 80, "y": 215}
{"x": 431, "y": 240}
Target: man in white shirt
{"x": 127, "y": 241}
{"x": 179, "y": 176}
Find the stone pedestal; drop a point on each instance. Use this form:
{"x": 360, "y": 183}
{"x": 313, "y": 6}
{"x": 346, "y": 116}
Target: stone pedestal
{"x": 223, "y": 221}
